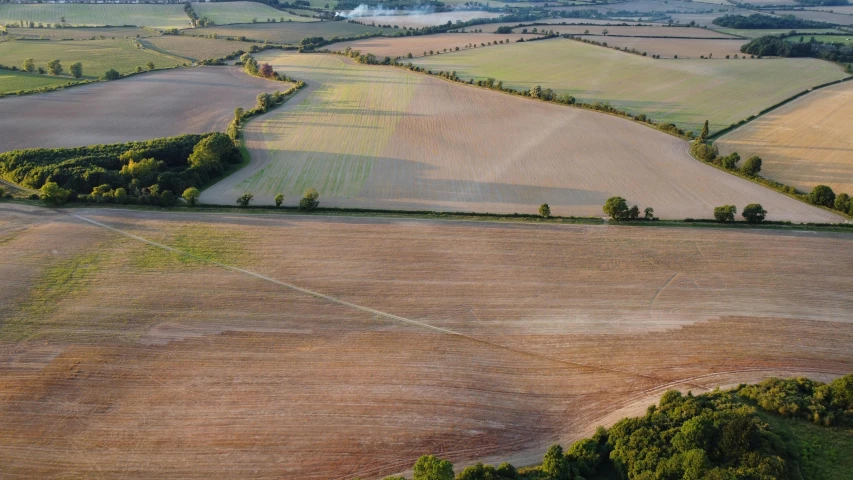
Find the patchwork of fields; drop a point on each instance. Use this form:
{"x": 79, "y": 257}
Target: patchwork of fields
{"x": 681, "y": 48}
{"x": 475, "y": 341}
{"x": 194, "y": 48}
{"x": 243, "y": 12}
{"x": 81, "y": 33}
{"x": 422, "y": 143}
{"x": 140, "y": 15}
{"x": 142, "y": 107}
{"x": 685, "y": 93}
{"x": 804, "y": 143}
{"x": 97, "y": 56}
{"x": 290, "y": 33}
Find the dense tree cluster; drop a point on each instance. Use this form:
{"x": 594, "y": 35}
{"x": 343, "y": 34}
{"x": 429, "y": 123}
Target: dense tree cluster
{"x": 777, "y": 46}
{"x": 759, "y": 21}
{"x": 134, "y": 172}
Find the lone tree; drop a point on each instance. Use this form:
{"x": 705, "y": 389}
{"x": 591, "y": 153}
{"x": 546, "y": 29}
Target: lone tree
{"x": 111, "y": 74}
{"x": 266, "y": 70}
{"x": 52, "y": 194}
{"x": 704, "y": 135}
{"x": 617, "y": 208}
{"x": 545, "y": 210}
{"x": 751, "y": 166}
{"x": 842, "y": 202}
{"x": 54, "y": 67}
{"x": 150, "y": 66}
{"x": 279, "y": 199}
{"x": 430, "y": 467}
{"x": 77, "y": 70}
{"x": 725, "y": 213}
{"x": 649, "y": 213}
{"x": 29, "y": 65}
{"x": 536, "y": 91}
{"x": 191, "y": 196}
{"x": 245, "y": 199}
{"x": 822, "y": 195}
{"x": 754, "y": 213}
{"x": 309, "y": 200}
{"x": 634, "y": 213}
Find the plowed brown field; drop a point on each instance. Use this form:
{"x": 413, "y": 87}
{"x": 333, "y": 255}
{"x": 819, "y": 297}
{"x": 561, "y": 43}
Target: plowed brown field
{"x": 160, "y": 104}
{"x": 371, "y": 341}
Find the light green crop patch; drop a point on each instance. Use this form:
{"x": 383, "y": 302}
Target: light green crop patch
{"x": 196, "y": 245}
{"x": 62, "y": 280}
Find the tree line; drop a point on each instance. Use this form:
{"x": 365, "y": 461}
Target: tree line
{"x": 759, "y": 21}
{"x": 718, "y": 435}
{"x": 777, "y": 46}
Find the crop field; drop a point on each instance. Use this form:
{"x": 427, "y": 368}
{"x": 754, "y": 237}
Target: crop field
{"x": 804, "y": 143}
{"x": 684, "y": 48}
{"x": 290, "y": 33}
{"x": 151, "y": 105}
{"x": 831, "y": 18}
{"x": 122, "y": 359}
{"x": 97, "y": 56}
{"x": 81, "y": 33}
{"x": 631, "y": 31}
{"x": 685, "y": 93}
{"x": 194, "y": 48}
{"x": 11, "y": 82}
{"x": 492, "y": 27}
{"x": 156, "y": 16}
{"x": 417, "y": 45}
{"x": 426, "y": 20}
{"x": 243, "y": 12}
{"x": 423, "y": 143}
{"x": 762, "y": 32}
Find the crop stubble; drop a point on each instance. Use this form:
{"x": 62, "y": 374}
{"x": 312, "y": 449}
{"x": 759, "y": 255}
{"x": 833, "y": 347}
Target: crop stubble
{"x": 375, "y": 137}
{"x": 169, "y": 369}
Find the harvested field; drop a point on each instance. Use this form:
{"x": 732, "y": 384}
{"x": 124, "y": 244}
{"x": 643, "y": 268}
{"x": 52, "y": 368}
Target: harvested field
{"x": 195, "y": 371}
{"x": 804, "y": 143}
{"x": 11, "y": 82}
{"x": 685, "y": 93}
{"x": 491, "y": 27}
{"x": 764, "y": 32}
{"x": 846, "y": 39}
{"x": 290, "y": 33}
{"x": 97, "y": 56}
{"x": 81, "y": 33}
{"x": 151, "y": 105}
{"x": 423, "y": 143}
{"x": 78, "y": 15}
{"x": 425, "y": 20}
{"x": 243, "y": 12}
{"x": 194, "y": 48}
{"x": 638, "y": 31}
{"x": 417, "y": 45}
{"x": 831, "y": 18}
{"x": 683, "y": 48}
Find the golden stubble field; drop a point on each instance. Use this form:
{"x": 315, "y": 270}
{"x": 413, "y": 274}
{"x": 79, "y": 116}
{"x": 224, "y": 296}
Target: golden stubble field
{"x": 371, "y": 341}
{"x": 804, "y": 143}
{"x": 381, "y": 137}
{"x": 417, "y": 45}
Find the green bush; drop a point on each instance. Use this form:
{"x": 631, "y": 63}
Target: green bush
{"x": 822, "y": 195}
{"x": 725, "y": 213}
{"x": 754, "y": 213}
{"x": 309, "y": 200}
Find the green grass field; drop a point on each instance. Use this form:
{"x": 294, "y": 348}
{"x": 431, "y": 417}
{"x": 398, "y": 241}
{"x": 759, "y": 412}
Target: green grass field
{"x": 158, "y": 16}
{"x": 11, "y": 82}
{"x": 97, "y": 56}
{"x": 243, "y": 12}
{"x": 683, "y": 92}
{"x": 845, "y": 39}
{"x": 825, "y": 452}
{"x": 80, "y": 33}
{"x": 194, "y": 48}
{"x": 290, "y": 33}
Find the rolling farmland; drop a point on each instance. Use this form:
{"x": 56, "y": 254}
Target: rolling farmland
{"x": 631, "y": 31}
{"x": 289, "y": 33}
{"x": 194, "y": 48}
{"x": 97, "y": 56}
{"x": 417, "y": 45}
{"x": 683, "y": 48}
{"x": 249, "y": 377}
{"x": 243, "y": 12}
{"x": 78, "y": 33}
{"x": 423, "y": 143}
{"x": 755, "y": 33}
{"x": 151, "y": 105}
{"x": 804, "y": 143}
{"x": 156, "y": 16}
{"x": 684, "y": 92}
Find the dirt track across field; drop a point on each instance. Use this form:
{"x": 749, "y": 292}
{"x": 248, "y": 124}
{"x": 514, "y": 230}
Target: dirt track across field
{"x": 151, "y": 105}
{"x": 372, "y": 341}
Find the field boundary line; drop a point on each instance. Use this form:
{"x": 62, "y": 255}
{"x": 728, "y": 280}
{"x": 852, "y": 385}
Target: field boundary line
{"x": 380, "y": 313}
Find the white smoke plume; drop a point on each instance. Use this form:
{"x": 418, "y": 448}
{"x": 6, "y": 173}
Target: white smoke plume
{"x": 380, "y": 11}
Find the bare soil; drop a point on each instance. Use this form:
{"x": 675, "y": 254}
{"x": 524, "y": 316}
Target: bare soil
{"x": 372, "y": 341}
